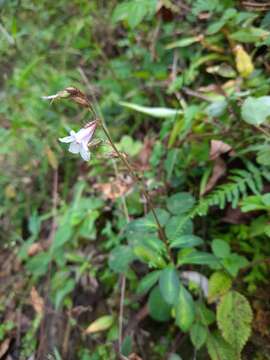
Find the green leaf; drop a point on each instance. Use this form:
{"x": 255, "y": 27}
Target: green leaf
{"x": 67, "y": 287}
{"x": 255, "y": 111}
{"x": 205, "y": 315}
{"x": 62, "y": 236}
{"x": 180, "y": 203}
{"x": 183, "y": 42}
{"x": 126, "y": 348}
{"x": 219, "y": 283}
{"x": 186, "y": 241}
{"x": 220, "y": 248}
{"x": 184, "y": 309}
{"x": 158, "y": 309}
{"x": 129, "y": 146}
{"x": 101, "y": 324}
{"x": 150, "y": 257}
{"x": 158, "y": 112}
{"x": 120, "y": 258}
{"x": 153, "y": 242}
{"x": 234, "y": 316}
{"x": 38, "y": 264}
{"x": 217, "y": 108}
{"x": 197, "y": 258}
{"x": 170, "y": 162}
{"x": 250, "y": 35}
{"x": 148, "y": 223}
{"x": 219, "y": 349}
{"x": 134, "y": 11}
{"x": 169, "y": 284}
{"x": 234, "y": 263}
{"x": 178, "y": 226}
{"x": 162, "y": 216}
{"x": 198, "y": 335}
{"x": 148, "y": 281}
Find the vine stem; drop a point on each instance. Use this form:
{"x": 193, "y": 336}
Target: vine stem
{"x": 144, "y": 191}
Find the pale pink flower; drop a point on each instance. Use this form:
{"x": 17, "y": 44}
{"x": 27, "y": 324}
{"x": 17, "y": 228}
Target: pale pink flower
{"x": 80, "y": 140}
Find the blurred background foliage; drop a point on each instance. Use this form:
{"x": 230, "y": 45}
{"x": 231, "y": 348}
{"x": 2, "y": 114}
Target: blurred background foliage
{"x": 183, "y": 88}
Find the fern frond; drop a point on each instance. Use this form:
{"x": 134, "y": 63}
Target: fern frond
{"x": 241, "y": 181}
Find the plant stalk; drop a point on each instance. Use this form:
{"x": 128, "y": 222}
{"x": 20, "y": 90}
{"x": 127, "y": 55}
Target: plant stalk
{"x": 144, "y": 191}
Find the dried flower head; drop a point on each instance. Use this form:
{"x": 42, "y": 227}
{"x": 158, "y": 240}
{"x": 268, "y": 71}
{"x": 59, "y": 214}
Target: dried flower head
{"x": 70, "y": 92}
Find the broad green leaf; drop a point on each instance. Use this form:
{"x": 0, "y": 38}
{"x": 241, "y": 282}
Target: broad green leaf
{"x": 162, "y": 216}
{"x": 219, "y": 283}
{"x": 217, "y": 108}
{"x": 220, "y": 248}
{"x": 250, "y": 35}
{"x": 148, "y": 223}
{"x": 169, "y": 284}
{"x": 178, "y": 226}
{"x": 134, "y": 11}
{"x": 158, "y": 308}
{"x": 234, "y": 316}
{"x": 205, "y": 315}
{"x": 197, "y": 258}
{"x": 158, "y": 112}
{"x": 148, "y": 281}
{"x": 255, "y": 111}
{"x": 62, "y": 236}
{"x": 180, "y": 203}
{"x": 186, "y": 241}
{"x": 120, "y": 258}
{"x": 101, "y": 324}
{"x": 184, "y": 309}
{"x": 234, "y": 263}
{"x": 38, "y": 264}
{"x": 154, "y": 243}
{"x": 150, "y": 257}
{"x": 129, "y": 146}
{"x": 198, "y": 335}
{"x": 219, "y": 349}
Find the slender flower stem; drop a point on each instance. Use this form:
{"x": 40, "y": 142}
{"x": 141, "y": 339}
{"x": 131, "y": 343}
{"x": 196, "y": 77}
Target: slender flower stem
{"x": 144, "y": 191}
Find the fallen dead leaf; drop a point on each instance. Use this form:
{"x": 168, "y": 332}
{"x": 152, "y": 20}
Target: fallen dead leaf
{"x": 38, "y": 247}
{"x": 134, "y": 356}
{"x": 4, "y": 347}
{"x": 219, "y": 170}
{"x": 36, "y": 301}
{"x": 115, "y": 188}
{"x": 218, "y": 148}
{"x": 34, "y": 249}
{"x": 145, "y": 154}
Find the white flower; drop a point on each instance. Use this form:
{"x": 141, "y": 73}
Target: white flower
{"x": 59, "y": 95}
{"x": 80, "y": 140}
{"x": 50, "y": 97}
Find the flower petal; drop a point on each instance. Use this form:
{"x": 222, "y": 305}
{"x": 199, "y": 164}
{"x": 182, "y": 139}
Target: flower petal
{"x": 86, "y": 134}
{"x": 66, "y": 139}
{"x": 85, "y": 153}
{"x": 50, "y": 97}
{"x": 74, "y": 148}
